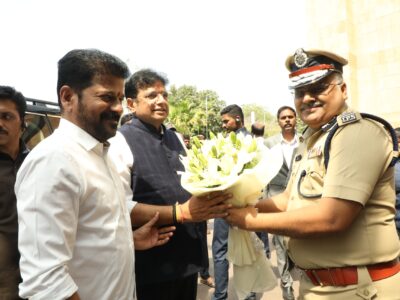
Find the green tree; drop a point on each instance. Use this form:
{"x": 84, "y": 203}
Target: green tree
{"x": 194, "y": 112}
{"x": 262, "y": 115}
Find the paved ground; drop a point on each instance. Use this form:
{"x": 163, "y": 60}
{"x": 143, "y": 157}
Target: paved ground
{"x": 204, "y": 292}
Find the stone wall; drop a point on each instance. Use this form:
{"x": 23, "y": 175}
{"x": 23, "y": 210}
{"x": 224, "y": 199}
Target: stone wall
{"x": 367, "y": 33}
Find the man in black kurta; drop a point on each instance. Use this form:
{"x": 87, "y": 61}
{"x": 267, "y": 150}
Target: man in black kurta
{"x": 170, "y": 271}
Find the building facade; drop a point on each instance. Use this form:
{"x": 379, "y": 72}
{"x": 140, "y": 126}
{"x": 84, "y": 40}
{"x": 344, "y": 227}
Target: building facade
{"x": 367, "y": 32}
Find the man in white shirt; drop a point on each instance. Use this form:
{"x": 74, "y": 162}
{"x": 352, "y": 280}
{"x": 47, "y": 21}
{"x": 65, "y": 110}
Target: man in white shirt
{"x": 75, "y": 234}
{"x": 283, "y": 144}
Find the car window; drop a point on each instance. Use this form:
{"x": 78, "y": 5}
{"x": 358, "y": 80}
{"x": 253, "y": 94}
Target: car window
{"x": 41, "y": 119}
{"x": 38, "y": 127}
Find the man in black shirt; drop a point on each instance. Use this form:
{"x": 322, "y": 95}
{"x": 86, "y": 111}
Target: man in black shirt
{"x": 12, "y": 154}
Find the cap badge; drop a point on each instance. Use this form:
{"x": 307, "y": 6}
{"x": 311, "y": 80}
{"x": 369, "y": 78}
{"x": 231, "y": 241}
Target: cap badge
{"x": 300, "y": 58}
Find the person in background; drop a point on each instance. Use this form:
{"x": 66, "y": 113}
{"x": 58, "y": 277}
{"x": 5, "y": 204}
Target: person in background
{"x": 337, "y": 211}
{"x": 284, "y": 145}
{"x": 152, "y": 167}
{"x": 75, "y": 234}
{"x": 233, "y": 119}
{"x": 12, "y": 153}
{"x": 186, "y": 141}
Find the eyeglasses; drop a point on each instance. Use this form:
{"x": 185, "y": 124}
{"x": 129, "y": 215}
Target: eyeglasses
{"x": 315, "y": 89}
{"x": 153, "y": 96}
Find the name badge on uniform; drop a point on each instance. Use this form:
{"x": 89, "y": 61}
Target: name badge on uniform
{"x": 315, "y": 152}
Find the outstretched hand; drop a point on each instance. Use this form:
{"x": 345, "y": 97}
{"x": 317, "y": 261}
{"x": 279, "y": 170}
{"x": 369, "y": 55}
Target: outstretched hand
{"x": 149, "y": 236}
{"x": 209, "y": 206}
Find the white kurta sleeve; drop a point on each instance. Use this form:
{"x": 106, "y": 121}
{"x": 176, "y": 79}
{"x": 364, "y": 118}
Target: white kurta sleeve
{"x": 122, "y": 157}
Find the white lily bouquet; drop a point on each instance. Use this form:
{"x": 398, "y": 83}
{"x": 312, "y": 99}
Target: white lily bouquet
{"x": 239, "y": 165}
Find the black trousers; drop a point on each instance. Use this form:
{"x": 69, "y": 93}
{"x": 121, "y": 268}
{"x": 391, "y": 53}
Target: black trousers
{"x": 178, "y": 289}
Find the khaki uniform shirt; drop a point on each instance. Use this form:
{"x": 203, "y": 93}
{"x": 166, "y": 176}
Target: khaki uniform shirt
{"x": 360, "y": 154}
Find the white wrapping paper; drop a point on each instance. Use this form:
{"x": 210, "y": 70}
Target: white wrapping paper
{"x": 252, "y": 270}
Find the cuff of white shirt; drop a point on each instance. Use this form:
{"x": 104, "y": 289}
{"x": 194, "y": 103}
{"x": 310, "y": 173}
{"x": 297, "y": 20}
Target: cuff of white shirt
{"x": 130, "y": 204}
{"x": 65, "y": 289}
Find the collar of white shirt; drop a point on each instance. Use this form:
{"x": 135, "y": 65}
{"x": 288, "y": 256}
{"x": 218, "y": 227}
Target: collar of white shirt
{"x": 289, "y": 143}
{"x": 82, "y": 137}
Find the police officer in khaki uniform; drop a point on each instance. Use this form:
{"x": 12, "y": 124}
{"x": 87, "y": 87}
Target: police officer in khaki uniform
{"x": 338, "y": 209}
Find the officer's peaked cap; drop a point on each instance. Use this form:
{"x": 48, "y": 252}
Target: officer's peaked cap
{"x": 307, "y": 67}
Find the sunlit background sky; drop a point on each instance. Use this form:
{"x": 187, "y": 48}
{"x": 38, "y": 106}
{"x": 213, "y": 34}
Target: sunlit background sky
{"x": 236, "y": 48}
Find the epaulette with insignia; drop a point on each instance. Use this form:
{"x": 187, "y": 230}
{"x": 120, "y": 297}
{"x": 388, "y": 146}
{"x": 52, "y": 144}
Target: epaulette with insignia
{"x": 348, "y": 118}
{"x": 351, "y": 117}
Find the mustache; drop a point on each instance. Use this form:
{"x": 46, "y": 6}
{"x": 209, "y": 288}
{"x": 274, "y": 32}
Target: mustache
{"x": 114, "y": 116}
{"x": 311, "y": 105}
{"x": 3, "y": 130}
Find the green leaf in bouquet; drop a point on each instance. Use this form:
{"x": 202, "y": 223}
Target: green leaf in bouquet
{"x": 202, "y": 160}
{"x": 220, "y": 144}
{"x": 214, "y": 152}
{"x": 196, "y": 142}
{"x": 194, "y": 168}
{"x": 232, "y": 136}
{"x": 253, "y": 146}
{"x": 238, "y": 144}
{"x": 194, "y": 150}
{"x": 235, "y": 157}
{"x": 212, "y": 135}
{"x": 251, "y": 164}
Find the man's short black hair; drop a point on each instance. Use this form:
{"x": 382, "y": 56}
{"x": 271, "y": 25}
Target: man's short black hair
{"x": 233, "y": 110}
{"x": 285, "y": 108}
{"x": 142, "y": 79}
{"x": 79, "y": 67}
{"x": 9, "y": 93}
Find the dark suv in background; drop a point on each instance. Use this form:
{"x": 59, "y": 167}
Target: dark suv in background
{"x": 42, "y": 118}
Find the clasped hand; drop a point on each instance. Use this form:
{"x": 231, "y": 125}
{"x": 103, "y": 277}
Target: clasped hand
{"x": 242, "y": 217}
